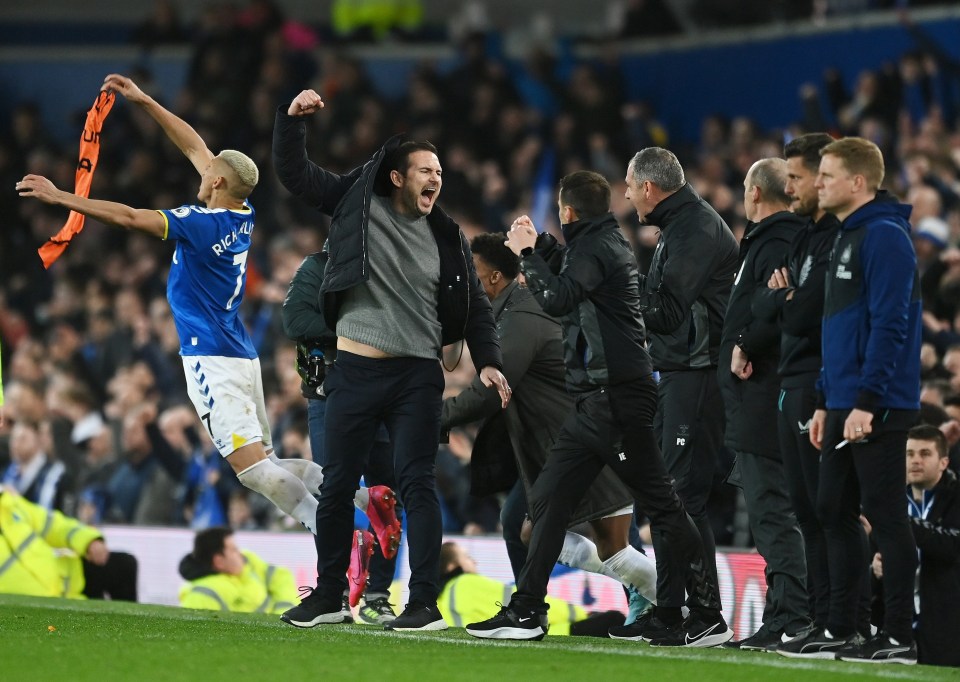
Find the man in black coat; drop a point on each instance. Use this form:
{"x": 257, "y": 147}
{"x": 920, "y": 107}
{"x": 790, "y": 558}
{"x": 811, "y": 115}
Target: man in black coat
{"x": 592, "y": 284}
{"x": 749, "y": 355}
{"x": 532, "y": 344}
{"x": 933, "y": 503}
{"x": 398, "y": 285}
{"x": 683, "y": 298}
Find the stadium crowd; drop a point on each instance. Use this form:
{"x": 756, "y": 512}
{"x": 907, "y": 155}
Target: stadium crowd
{"x": 98, "y": 425}
{"x": 90, "y": 347}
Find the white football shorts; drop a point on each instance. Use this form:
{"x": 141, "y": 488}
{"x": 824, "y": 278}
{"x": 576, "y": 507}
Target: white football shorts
{"x": 228, "y": 396}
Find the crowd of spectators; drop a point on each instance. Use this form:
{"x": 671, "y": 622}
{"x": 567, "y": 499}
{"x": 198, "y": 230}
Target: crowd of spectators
{"x": 89, "y": 347}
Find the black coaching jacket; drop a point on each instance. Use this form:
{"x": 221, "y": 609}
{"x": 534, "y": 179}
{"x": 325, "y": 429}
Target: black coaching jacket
{"x": 684, "y": 295}
{"x": 751, "y": 404}
{"x": 592, "y": 285}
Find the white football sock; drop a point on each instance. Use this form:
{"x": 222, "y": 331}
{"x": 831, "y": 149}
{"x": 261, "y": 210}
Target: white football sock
{"x": 580, "y": 552}
{"x": 361, "y": 500}
{"x": 284, "y": 489}
{"x": 311, "y": 474}
{"x": 635, "y": 568}
{"x": 306, "y": 470}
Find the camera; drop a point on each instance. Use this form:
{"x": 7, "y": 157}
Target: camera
{"x": 311, "y": 365}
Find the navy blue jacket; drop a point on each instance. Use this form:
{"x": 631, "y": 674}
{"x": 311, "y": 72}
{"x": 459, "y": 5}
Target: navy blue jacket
{"x": 872, "y": 312}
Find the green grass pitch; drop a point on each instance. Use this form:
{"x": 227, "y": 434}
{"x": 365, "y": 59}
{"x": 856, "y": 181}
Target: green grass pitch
{"x": 50, "y": 640}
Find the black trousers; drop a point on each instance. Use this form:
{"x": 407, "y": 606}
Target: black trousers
{"x": 614, "y": 426}
{"x": 116, "y": 579}
{"x": 801, "y": 468}
{"x": 513, "y": 512}
{"x": 778, "y": 539}
{"x": 379, "y": 471}
{"x": 868, "y": 475}
{"x": 689, "y": 427}
{"x": 405, "y": 395}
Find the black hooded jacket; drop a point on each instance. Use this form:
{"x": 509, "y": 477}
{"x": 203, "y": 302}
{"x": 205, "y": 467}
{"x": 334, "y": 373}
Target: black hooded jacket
{"x": 463, "y": 309}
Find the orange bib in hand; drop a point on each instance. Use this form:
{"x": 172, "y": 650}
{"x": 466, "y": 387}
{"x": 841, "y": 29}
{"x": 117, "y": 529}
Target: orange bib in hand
{"x": 89, "y": 154}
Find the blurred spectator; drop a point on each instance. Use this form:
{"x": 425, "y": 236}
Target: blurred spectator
{"x": 141, "y": 491}
{"x": 647, "y": 18}
{"x": 206, "y": 479}
{"x": 375, "y": 20}
{"x": 162, "y": 27}
{"x": 33, "y": 473}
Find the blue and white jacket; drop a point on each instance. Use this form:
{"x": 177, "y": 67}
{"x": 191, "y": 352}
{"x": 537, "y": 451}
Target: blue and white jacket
{"x": 872, "y": 312}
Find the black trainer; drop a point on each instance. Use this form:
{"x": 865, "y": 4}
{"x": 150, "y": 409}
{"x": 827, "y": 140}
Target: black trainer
{"x": 692, "y": 632}
{"x": 418, "y": 616}
{"x": 761, "y": 640}
{"x": 511, "y": 622}
{"x": 816, "y": 643}
{"x": 634, "y": 631}
{"x": 880, "y": 648}
{"x": 314, "y": 609}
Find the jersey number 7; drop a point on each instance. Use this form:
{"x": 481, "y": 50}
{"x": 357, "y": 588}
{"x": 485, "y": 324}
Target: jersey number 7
{"x": 241, "y": 260}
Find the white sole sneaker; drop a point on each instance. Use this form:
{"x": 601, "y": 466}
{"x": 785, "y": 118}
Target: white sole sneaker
{"x": 322, "y": 619}
{"x": 536, "y": 633}
{"x": 429, "y": 627}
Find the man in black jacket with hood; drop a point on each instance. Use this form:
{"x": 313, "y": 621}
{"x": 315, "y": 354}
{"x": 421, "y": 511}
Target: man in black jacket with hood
{"x": 399, "y": 284}
{"x": 749, "y": 356}
{"x": 593, "y": 286}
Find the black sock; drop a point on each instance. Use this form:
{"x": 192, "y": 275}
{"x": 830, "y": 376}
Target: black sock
{"x": 669, "y": 614}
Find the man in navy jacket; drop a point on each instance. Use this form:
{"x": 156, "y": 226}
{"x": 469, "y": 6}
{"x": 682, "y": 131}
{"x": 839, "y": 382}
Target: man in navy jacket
{"x": 870, "y": 384}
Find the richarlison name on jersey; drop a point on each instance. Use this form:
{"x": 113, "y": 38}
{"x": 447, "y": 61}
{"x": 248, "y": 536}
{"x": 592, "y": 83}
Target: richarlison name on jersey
{"x": 220, "y": 247}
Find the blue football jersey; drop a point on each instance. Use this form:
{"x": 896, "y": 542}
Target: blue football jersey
{"x": 208, "y": 277}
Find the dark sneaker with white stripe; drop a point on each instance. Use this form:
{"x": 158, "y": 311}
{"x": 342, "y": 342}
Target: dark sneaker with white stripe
{"x": 633, "y": 631}
{"x": 817, "y": 643}
{"x": 692, "y": 632}
{"x": 761, "y": 640}
{"x": 511, "y": 622}
{"x": 418, "y": 617}
{"x": 314, "y": 609}
{"x": 880, "y": 648}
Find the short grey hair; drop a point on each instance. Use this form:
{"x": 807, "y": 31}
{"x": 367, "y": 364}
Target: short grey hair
{"x": 659, "y": 166}
{"x": 770, "y": 175}
{"x": 242, "y": 165}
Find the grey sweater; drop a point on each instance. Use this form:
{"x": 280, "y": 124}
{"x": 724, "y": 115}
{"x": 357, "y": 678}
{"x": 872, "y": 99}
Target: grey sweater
{"x": 395, "y": 310}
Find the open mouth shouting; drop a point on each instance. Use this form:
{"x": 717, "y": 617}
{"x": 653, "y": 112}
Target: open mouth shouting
{"x": 427, "y": 197}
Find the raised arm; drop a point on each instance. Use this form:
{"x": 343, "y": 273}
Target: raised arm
{"x": 300, "y": 176}
{"x": 179, "y": 131}
{"x": 109, "y": 212}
